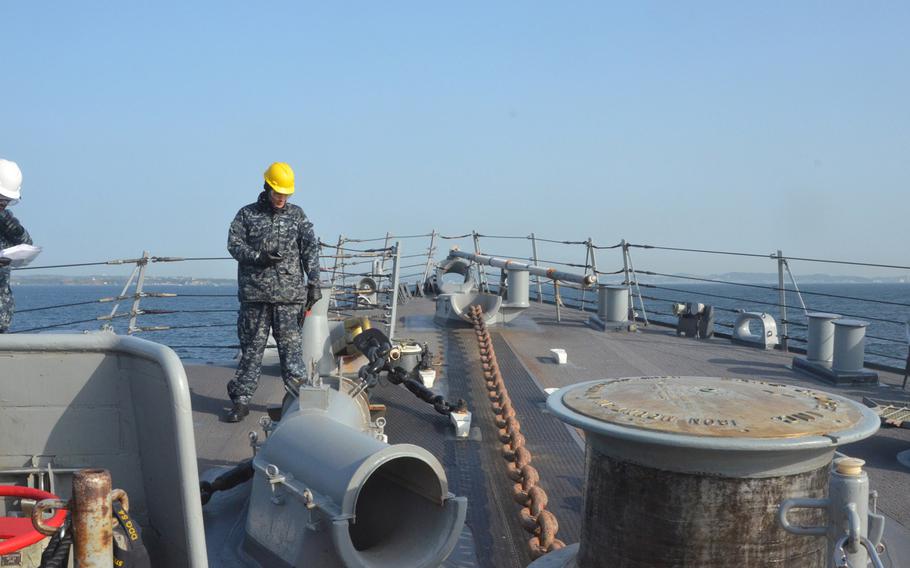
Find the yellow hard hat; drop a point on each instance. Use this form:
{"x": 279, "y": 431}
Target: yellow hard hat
{"x": 280, "y": 177}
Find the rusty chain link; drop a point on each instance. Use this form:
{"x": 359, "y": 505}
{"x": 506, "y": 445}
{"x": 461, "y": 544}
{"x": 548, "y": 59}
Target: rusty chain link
{"x": 535, "y": 518}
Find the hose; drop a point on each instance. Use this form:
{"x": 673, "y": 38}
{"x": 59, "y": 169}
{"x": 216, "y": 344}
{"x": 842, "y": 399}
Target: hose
{"x": 57, "y": 553}
{"x": 233, "y": 477}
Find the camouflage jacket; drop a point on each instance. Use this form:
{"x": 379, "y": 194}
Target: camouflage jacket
{"x": 12, "y": 233}
{"x": 260, "y": 228}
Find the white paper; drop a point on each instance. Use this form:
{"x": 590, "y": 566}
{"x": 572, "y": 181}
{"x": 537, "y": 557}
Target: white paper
{"x": 20, "y": 254}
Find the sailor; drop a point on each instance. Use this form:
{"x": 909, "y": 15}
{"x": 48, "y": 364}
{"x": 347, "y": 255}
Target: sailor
{"x": 12, "y": 233}
{"x": 275, "y": 247}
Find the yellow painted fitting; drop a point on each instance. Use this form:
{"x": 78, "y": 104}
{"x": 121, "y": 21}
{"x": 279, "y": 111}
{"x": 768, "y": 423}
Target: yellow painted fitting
{"x": 849, "y": 466}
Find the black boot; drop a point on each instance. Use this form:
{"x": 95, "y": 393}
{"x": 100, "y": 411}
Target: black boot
{"x": 236, "y": 413}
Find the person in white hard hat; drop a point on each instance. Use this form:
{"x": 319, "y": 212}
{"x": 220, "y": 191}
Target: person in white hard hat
{"x": 12, "y": 233}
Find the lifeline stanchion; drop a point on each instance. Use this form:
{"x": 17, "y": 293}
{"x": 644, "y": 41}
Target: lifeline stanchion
{"x": 527, "y": 492}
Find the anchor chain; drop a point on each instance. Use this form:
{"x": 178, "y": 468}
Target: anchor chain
{"x": 526, "y": 491}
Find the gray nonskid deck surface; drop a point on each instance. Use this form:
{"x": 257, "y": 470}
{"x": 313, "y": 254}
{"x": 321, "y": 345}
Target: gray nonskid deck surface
{"x": 219, "y": 443}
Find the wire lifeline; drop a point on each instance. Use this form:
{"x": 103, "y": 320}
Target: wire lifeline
{"x": 393, "y": 237}
{"x": 656, "y": 247}
{"x": 54, "y": 325}
{"x": 170, "y": 327}
{"x": 602, "y": 273}
{"x": 698, "y": 293}
{"x": 557, "y": 242}
{"x": 58, "y": 306}
{"x": 775, "y": 288}
{"x": 63, "y": 265}
{"x": 774, "y": 256}
{"x": 503, "y": 236}
{"x": 188, "y": 258}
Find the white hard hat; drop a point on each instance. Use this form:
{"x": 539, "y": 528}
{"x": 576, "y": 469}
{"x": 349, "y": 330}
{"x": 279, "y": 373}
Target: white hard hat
{"x": 10, "y": 180}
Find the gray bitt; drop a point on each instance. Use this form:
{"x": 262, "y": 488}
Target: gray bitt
{"x": 272, "y": 294}
{"x": 12, "y": 233}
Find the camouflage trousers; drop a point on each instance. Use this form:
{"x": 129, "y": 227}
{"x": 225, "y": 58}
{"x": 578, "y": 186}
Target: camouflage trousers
{"x": 254, "y": 321}
{"x": 6, "y": 309}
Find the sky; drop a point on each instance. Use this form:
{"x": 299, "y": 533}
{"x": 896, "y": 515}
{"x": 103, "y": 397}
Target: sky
{"x": 714, "y": 125}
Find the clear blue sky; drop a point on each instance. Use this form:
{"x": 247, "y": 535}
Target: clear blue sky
{"x": 701, "y": 124}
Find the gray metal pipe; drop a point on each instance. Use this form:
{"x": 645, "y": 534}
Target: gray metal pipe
{"x": 509, "y": 264}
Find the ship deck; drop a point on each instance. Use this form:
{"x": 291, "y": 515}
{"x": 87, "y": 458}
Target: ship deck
{"x": 475, "y": 466}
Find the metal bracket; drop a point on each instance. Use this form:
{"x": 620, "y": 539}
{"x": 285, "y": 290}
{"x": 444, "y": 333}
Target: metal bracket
{"x": 802, "y": 503}
{"x": 275, "y": 478}
{"x": 254, "y": 441}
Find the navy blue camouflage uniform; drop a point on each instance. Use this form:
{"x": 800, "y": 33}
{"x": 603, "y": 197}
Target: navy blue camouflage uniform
{"x": 272, "y": 295}
{"x": 11, "y": 233}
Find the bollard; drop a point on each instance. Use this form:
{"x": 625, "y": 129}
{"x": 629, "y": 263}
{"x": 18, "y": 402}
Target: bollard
{"x": 518, "y": 282}
{"x": 91, "y": 513}
{"x": 821, "y": 336}
{"x": 835, "y": 350}
{"x": 849, "y": 345}
{"x": 613, "y": 303}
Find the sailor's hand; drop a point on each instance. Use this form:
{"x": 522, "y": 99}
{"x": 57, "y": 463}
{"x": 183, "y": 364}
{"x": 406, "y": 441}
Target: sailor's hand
{"x": 269, "y": 258}
{"x": 5, "y": 261}
{"x": 313, "y": 295}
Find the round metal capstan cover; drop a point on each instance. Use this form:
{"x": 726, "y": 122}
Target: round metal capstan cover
{"x": 714, "y": 407}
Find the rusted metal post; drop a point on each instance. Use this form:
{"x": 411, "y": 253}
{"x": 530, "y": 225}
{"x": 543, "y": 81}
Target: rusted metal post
{"x": 92, "y": 522}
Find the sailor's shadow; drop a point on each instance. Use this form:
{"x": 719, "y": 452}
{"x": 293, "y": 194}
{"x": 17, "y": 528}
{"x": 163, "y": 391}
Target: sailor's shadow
{"x": 759, "y": 369}
{"x": 563, "y": 323}
{"x": 749, "y": 362}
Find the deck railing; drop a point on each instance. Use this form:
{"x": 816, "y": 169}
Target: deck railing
{"x": 400, "y": 264}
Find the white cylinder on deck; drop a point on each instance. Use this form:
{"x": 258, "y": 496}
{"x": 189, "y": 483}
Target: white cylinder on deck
{"x": 518, "y": 288}
{"x": 821, "y": 336}
{"x": 849, "y": 345}
{"x": 612, "y": 303}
